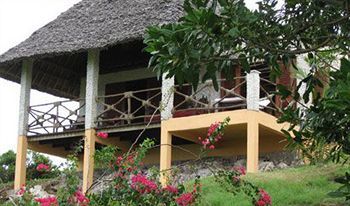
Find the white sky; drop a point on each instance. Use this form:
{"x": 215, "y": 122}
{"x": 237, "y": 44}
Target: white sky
{"x": 18, "y": 20}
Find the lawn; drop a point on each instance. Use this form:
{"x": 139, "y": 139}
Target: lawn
{"x": 303, "y": 186}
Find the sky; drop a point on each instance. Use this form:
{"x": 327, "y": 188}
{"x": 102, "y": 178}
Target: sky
{"x": 18, "y": 20}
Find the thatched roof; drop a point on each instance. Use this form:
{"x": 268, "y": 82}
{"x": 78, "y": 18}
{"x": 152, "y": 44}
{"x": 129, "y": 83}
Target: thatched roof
{"x": 88, "y": 24}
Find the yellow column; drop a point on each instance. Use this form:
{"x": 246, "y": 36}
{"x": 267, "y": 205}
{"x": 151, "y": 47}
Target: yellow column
{"x": 88, "y": 165}
{"x": 165, "y": 155}
{"x": 21, "y": 157}
{"x": 252, "y": 144}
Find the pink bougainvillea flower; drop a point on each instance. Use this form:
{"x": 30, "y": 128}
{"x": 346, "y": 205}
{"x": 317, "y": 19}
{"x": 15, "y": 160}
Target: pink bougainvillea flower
{"x": 214, "y": 134}
{"x": 119, "y": 160}
{"x": 21, "y": 191}
{"x": 103, "y": 135}
{"x": 264, "y": 198}
{"x": 171, "y": 189}
{"x": 43, "y": 167}
{"x": 142, "y": 184}
{"x": 47, "y": 201}
{"x": 82, "y": 200}
{"x": 240, "y": 169}
{"x": 260, "y": 203}
{"x": 185, "y": 199}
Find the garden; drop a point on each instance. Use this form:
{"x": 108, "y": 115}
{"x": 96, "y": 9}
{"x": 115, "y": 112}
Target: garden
{"x": 213, "y": 36}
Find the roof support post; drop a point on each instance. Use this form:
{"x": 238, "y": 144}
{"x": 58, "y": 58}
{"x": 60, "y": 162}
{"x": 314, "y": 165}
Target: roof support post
{"x": 165, "y": 154}
{"x": 91, "y": 92}
{"x": 167, "y": 97}
{"x": 252, "y": 144}
{"x": 253, "y": 90}
{"x": 22, "y": 143}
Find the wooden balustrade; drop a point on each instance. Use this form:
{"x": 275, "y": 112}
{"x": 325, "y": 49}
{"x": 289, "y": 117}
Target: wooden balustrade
{"x": 206, "y": 100}
{"x": 143, "y": 106}
{"x": 131, "y": 107}
{"x": 56, "y": 117}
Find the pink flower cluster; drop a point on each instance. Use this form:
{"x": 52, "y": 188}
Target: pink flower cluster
{"x": 142, "y": 184}
{"x": 43, "y": 167}
{"x": 21, "y": 191}
{"x": 102, "y": 135}
{"x": 238, "y": 172}
{"x": 171, "y": 189}
{"x": 81, "y": 199}
{"x": 47, "y": 201}
{"x": 185, "y": 199}
{"x": 214, "y": 135}
{"x": 240, "y": 169}
{"x": 264, "y": 199}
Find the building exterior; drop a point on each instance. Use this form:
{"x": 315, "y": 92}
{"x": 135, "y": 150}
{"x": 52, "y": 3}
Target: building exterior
{"x": 93, "y": 55}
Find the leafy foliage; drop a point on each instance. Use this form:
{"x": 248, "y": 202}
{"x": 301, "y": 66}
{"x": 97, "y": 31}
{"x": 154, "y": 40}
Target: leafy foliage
{"x": 8, "y": 164}
{"x": 215, "y": 35}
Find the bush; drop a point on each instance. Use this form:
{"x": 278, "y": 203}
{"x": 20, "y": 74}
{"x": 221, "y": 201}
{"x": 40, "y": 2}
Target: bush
{"x": 38, "y": 167}
{"x": 7, "y": 166}
{"x": 130, "y": 185}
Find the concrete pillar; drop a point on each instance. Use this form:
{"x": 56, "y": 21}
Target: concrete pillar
{"x": 165, "y": 154}
{"x": 252, "y": 144}
{"x": 91, "y": 90}
{"x": 253, "y": 90}
{"x": 92, "y": 74}
{"x": 167, "y": 97}
{"x": 22, "y": 144}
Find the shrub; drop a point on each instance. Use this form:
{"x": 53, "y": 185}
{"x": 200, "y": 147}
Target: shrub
{"x": 130, "y": 185}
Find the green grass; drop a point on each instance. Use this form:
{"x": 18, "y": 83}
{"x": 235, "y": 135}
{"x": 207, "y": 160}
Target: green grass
{"x": 303, "y": 186}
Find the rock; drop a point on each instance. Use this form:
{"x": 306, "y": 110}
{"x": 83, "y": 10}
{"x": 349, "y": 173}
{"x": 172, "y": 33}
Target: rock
{"x": 240, "y": 163}
{"x": 266, "y": 166}
{"x": 282, "y": 165}
{"x": 204, "y": 172}
{"x": 37, "y": 191}
{"x": 297, "y": 162}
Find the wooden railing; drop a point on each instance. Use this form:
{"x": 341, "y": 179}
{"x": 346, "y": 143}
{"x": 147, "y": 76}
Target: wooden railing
{"x": 269, "y": 101}
{"x": 132, "y": 107}
{"x": 231, "y": 95}
{"x": 56, "y": 117}
{"x": 143, "y": 106}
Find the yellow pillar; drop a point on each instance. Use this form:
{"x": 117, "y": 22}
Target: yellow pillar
{"x": 89, "y": 152}
{"x": 165, "y": 155}
{"x": 22, "y": 145}
{"x": 252, "y": 144}
{"x": 21, "y": 157}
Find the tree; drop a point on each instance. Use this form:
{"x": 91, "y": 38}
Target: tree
{"x": 214, "y": 35}
{"x": 7, "y": 166}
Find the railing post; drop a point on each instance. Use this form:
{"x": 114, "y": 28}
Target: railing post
{"x": 167, "y": 97}
{"x": 253, "y": 90}
{"x": 129, "y": 109}
{"x": 92, "y": 73}
{"x": 22, "y": 144}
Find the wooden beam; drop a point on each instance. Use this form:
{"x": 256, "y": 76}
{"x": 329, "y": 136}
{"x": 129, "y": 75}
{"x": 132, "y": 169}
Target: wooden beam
{"x": 115, "y": 141}
{"x": 21, "y": 158}
{"x": 252, "y": 144}
{"x": 165, "y": 155}
{"x": 88, "y": 165}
